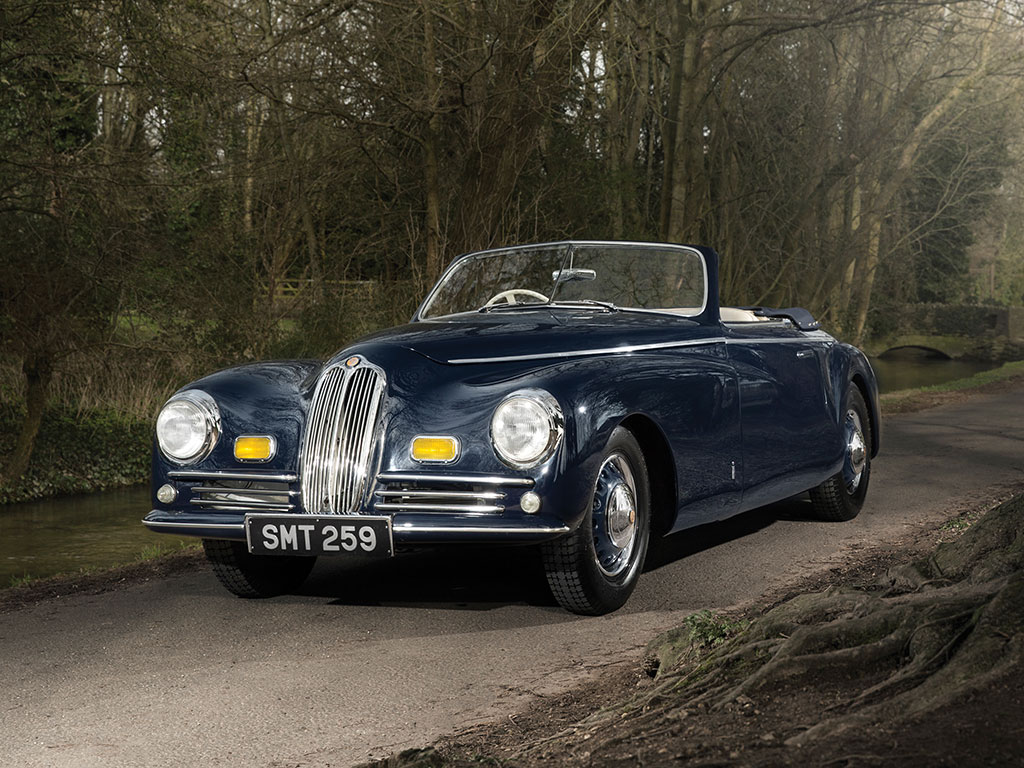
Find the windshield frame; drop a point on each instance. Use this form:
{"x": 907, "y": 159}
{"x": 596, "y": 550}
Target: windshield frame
{"x": 568, "y": 245}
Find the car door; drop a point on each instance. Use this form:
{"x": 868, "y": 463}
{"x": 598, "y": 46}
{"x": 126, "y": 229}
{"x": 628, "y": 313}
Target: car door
{"x": 789, "y": 432}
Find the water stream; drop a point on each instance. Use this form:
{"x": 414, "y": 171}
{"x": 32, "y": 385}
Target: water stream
{"x": 61, "y": 535}
{"x": 906, "y": 370}
{"x": 65, "y": 534}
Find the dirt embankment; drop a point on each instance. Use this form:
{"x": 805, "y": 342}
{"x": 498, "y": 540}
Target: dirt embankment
{"x": 906, "y": 660}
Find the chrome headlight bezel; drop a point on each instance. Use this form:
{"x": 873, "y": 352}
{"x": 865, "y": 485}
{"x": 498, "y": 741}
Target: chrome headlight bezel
{"x": 548, "y": 409}
{"x": 206, "y": 408}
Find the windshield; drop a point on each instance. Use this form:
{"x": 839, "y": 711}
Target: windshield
{"x": 623, "y": 275}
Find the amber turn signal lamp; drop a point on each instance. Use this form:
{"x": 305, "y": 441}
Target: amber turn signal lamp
{"x": 255, "y": 448}
{"x": 435, "y": 449}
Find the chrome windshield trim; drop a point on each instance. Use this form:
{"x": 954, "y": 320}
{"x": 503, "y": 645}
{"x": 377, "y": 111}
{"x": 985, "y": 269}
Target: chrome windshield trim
{"x": 585, "y": 352}
{"x": 415, "y": 477}
{"x": 211, "y": 526}
{"x": 194, "y": 474}
{"x": 458, "y": 260}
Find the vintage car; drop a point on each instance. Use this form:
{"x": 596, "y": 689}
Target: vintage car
{"x": 578, "y": 396}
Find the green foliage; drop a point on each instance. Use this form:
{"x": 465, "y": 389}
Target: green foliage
{"x": 699, "y": 633}
{"x": 166, "y": 168}
{"x": 709, "y": 630}
{"x": 161, "y": 549}
{"x": 21, "y": 581}
{"x": 79, "y": 454}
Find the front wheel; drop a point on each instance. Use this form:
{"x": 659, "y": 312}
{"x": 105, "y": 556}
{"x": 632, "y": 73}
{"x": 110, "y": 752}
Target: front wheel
{"x": 594, "y": 569}
{"x": 841, "y": 496}
{"x": 248, "y": 575}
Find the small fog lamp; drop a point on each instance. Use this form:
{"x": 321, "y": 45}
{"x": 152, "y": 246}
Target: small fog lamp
{"x": 255, "y": 448}
{"x": 166, "y": 494}
{"x": 435, "y": 449}
{"x": 530, "y": 502}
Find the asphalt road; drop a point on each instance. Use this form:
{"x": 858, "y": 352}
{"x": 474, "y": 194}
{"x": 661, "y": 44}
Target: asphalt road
{"x": 374, "y": 656}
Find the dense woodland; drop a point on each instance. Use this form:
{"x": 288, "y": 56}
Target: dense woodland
{"x": 190, "y": 183}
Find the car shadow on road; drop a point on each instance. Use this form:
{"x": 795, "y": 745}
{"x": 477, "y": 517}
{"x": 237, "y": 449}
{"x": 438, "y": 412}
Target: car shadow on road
{"x": 667, "y": 550}
{"x": 491, "y": 577}
{"x": 480, "y": 579}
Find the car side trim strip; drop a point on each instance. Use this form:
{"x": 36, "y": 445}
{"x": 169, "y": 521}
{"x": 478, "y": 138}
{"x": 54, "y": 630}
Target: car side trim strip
{"x": 813, "y": 336}
{"x": 584, "y": 352}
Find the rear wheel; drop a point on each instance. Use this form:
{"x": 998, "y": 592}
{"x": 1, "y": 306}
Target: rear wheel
{"x": 841, "y": 496}
{"x": 594, "y": 569}
{"x": 248, "y": 575}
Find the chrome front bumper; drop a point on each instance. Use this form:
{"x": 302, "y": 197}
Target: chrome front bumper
{"x": 406, "y": 528}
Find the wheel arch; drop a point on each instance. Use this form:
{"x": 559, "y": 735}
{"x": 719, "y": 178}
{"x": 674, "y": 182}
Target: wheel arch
{"x": 661, "y": 470}
{"x": 870, "y": 399}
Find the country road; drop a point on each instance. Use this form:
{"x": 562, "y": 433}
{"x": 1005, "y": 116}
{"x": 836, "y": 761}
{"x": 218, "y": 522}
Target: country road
{"x": 373, "y": 657}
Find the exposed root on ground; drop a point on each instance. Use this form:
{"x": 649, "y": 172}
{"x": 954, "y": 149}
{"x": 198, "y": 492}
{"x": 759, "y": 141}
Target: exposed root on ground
{"x": 937, "y": 629}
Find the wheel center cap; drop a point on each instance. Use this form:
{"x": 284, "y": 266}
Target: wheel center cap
{"x": 620, "y": 516}
{"x": 857, "y": 452}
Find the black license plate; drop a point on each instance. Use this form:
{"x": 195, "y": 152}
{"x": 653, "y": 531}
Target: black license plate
{"x": 325, "y": 535}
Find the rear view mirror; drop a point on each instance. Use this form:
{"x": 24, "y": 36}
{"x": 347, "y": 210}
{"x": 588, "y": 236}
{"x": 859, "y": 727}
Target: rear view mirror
{"x": 571, "y": 275}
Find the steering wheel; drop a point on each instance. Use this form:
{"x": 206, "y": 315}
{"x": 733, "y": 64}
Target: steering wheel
{"x": 511, "y": 293}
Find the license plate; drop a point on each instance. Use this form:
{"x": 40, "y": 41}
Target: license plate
{"x": 314, "y": 536}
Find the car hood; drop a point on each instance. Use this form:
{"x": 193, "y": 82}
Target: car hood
{"x": 538, "y": 334}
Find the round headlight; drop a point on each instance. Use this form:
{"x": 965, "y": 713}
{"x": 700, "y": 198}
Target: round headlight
{"x": 526, "y": 428}
{"x": 188, "y": 427}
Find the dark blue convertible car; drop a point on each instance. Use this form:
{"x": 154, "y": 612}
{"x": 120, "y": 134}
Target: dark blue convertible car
{"x": 578, "y": 396}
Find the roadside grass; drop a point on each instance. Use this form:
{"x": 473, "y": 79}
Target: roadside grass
{"x": 162, "y": 549}
{"x": 149, "y": 554}
{"x": 21, "y": 581}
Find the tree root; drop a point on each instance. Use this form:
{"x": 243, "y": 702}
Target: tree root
{"x": 948, "y": 624}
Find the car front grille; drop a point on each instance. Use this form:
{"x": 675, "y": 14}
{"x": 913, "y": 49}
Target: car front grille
{"x": 339, "y": 439}
{"x": 239, "y": 491}
{"x": 439, "y": 494}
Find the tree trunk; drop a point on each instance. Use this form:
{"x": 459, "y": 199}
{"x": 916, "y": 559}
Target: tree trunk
{"x": 430, "y": 147}
{"x": 687, "y": 187}
{"x": 38, "y": 373}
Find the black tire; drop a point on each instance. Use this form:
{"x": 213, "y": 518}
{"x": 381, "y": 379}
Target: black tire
{"x": 248, "y": 575}
{"x": 841, "y": 497}
{"x": 582, "y": 581}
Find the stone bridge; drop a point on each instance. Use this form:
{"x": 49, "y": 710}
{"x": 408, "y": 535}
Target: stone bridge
{"x": 955, "y": 332}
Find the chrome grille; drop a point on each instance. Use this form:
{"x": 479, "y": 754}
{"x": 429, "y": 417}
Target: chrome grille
{"x": 429, "y": 493}
{"x": 240, "y": 491}
{"x": 339, "y": 438}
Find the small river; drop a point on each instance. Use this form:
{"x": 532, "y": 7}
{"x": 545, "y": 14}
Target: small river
{"x": 909, "y": 370}
{"x": 65, "y": 534}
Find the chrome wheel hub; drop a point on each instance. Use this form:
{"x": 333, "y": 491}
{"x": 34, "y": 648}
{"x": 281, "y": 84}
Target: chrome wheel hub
{"x": 621, "y": 515}
{"x": 615, "y": 515}
{"x": 856, "y": 452}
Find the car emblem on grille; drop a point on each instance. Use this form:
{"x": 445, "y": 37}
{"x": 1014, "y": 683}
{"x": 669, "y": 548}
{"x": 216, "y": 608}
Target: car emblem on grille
{"x": 352, "y": 362}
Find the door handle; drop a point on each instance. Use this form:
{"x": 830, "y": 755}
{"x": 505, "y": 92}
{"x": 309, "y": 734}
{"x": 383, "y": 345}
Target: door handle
{"x": 805, "y": 353}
